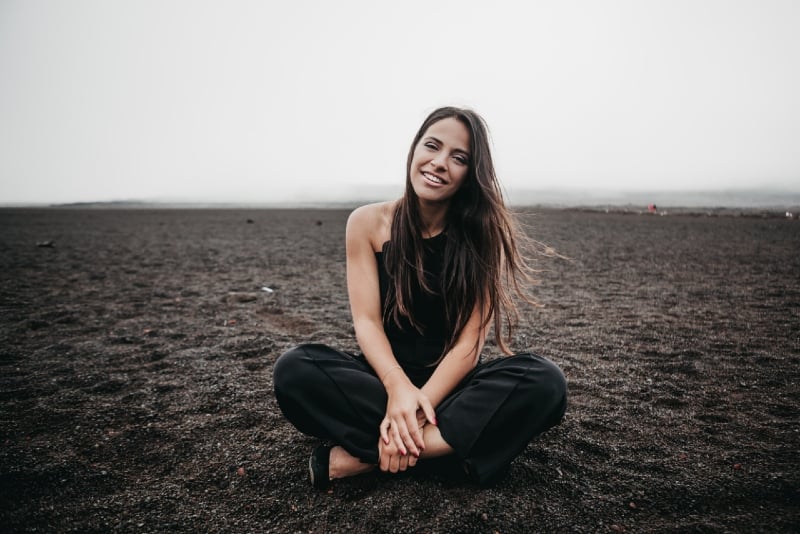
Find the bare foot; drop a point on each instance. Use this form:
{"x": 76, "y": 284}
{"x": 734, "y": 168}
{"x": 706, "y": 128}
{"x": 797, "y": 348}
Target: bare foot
{"x": 343, "y": 464}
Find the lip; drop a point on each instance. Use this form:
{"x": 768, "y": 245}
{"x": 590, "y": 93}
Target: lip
{"x": 427, "y": 175}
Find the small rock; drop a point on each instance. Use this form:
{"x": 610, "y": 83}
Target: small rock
{"x": 240, "y": 471}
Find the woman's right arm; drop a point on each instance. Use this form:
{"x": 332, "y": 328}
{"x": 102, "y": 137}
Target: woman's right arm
{"x": 364, "y": 291}
{"x": 365, "y": 305}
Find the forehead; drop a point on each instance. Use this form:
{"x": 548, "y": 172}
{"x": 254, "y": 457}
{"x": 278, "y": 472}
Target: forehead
{"x": 451, "y": 132}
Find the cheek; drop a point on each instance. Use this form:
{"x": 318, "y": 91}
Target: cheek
{"x": 460, "y": 177}
{"x": 419, "y": 154}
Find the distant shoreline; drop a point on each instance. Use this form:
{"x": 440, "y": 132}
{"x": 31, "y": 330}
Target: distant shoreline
{"x": 767, "y": 212}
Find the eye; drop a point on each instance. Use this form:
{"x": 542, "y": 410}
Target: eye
{"x": 431, "y": 145}
{"x": 460, "y": 159}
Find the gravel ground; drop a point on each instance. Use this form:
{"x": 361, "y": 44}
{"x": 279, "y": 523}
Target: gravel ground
{"x": 136, "y": 353}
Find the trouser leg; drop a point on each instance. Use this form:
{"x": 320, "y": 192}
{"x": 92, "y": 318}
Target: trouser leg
{"x": 332, "y": 395}
{"x": 499, "y": 407}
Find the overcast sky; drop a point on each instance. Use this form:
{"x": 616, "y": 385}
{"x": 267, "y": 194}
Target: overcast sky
{"x": 261, "y": 101}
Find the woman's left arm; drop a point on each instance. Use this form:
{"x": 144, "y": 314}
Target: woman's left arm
{"x": 459, "y": 361}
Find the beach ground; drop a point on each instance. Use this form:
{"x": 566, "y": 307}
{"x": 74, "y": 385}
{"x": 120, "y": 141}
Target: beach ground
{"x": 137, "y": 347}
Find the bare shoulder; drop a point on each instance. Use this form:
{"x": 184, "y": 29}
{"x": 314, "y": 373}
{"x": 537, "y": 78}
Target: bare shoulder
{"x": 371, "y": 222}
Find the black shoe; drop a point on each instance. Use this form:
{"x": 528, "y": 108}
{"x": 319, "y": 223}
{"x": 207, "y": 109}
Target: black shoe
{"x": 318, "y": 467}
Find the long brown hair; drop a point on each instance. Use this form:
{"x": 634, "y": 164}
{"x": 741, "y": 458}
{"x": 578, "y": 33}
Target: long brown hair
{"x": 482, "y": 263}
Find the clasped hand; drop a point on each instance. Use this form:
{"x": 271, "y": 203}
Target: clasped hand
{"x": 407, "y": 411}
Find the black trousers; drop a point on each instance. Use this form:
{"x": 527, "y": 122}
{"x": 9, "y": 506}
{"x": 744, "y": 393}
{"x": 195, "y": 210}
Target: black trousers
{"x": 488, "y": 419}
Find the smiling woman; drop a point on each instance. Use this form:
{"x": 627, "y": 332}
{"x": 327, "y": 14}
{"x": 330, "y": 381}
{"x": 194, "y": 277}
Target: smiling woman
{"x": 426, "y": 277}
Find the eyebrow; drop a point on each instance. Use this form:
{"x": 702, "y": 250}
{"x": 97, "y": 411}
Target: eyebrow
{"x": 461, "y": 150}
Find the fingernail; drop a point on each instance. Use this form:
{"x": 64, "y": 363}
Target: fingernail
{"x": 386, "y": 441}
{"x": 403, "y": 452}
{"x": 434, "y": 421}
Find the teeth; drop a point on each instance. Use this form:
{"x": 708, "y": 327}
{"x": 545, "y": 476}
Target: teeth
{"x": 433, "y": 178}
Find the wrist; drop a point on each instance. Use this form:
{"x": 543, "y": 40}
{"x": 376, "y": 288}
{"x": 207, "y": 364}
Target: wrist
{"x": 392, "y": 370}
{"x": 395, "y": 378}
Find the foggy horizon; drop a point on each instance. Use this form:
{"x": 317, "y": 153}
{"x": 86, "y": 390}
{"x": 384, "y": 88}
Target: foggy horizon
{"x": 745, "y": 198}
{"x": 242, "y": 101}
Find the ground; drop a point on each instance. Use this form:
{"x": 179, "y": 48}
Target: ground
{"x": 137, "y": 347}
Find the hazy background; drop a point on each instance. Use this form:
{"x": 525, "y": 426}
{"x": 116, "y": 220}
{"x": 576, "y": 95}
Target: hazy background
{"x": 240, "y": 101}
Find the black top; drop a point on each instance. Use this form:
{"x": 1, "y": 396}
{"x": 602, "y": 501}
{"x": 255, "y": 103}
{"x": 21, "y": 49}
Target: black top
{"x": 417, "y": 351}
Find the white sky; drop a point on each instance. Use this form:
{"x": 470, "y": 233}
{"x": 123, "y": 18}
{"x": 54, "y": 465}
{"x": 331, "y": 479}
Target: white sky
{"x": 260, "y": 101}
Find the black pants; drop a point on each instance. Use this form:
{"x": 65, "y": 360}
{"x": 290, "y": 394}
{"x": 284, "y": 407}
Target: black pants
{"x": 488, "y": 419}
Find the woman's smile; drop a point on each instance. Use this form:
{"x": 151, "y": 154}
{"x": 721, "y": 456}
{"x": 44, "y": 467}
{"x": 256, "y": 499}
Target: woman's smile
{"x": 433, "y": 178}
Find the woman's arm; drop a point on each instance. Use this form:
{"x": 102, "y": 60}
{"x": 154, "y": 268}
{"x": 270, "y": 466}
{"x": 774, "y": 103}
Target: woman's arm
{"x": 364, "y": 292}
{"x": 459, "y": 361}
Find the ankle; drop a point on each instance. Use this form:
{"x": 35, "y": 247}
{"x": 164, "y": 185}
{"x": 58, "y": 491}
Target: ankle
{"x": 334, "y": 465}
{"x": 342, "y": 464}
{"x": 435, "y": 445}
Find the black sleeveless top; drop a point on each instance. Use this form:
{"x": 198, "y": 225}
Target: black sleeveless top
{"x": 417, "y": 351}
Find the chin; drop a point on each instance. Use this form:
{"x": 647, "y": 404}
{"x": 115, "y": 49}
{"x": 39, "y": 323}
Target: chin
{"x": 426, "y": 195}
{"x": 429, "y": 194}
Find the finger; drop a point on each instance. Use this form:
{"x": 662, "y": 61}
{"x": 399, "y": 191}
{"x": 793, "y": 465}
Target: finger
{"x": 398, "y": 440}
{"x": 384, "y": 455}
{"x": 412, "y": 460}
{"x": 384, "y": 428}
{"x": 404, "y": 462}
{"x": 380, "y": 454}
{"x": 427, "y": 407}
{"x": 416, "y": 437}
{"x": 408, "y": 439}
{"x": 394, "y": 464}
{"x": 385, "y": 462}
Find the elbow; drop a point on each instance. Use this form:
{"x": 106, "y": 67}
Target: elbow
{"x": 473, "y": 354}
{"x": 364, "y": 327}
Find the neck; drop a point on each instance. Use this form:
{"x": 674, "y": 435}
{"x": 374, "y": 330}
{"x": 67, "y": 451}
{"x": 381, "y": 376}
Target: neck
{"x": 433, "y": 215}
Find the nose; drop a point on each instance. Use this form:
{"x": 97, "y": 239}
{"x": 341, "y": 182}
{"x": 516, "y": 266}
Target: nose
{"x": 437, "y": 161}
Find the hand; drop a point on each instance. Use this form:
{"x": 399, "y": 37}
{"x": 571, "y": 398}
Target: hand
{"x": 401, "y": 423}
{"x": 390, "y": 459}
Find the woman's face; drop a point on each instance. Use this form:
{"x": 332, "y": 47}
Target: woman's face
{"x": 441, "y": 160}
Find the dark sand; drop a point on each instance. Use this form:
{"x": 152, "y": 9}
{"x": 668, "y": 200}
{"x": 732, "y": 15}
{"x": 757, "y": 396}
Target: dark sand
{"x": 136, "y": 356}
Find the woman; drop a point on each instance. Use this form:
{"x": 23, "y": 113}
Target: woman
{"x": 426, "y": 274}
